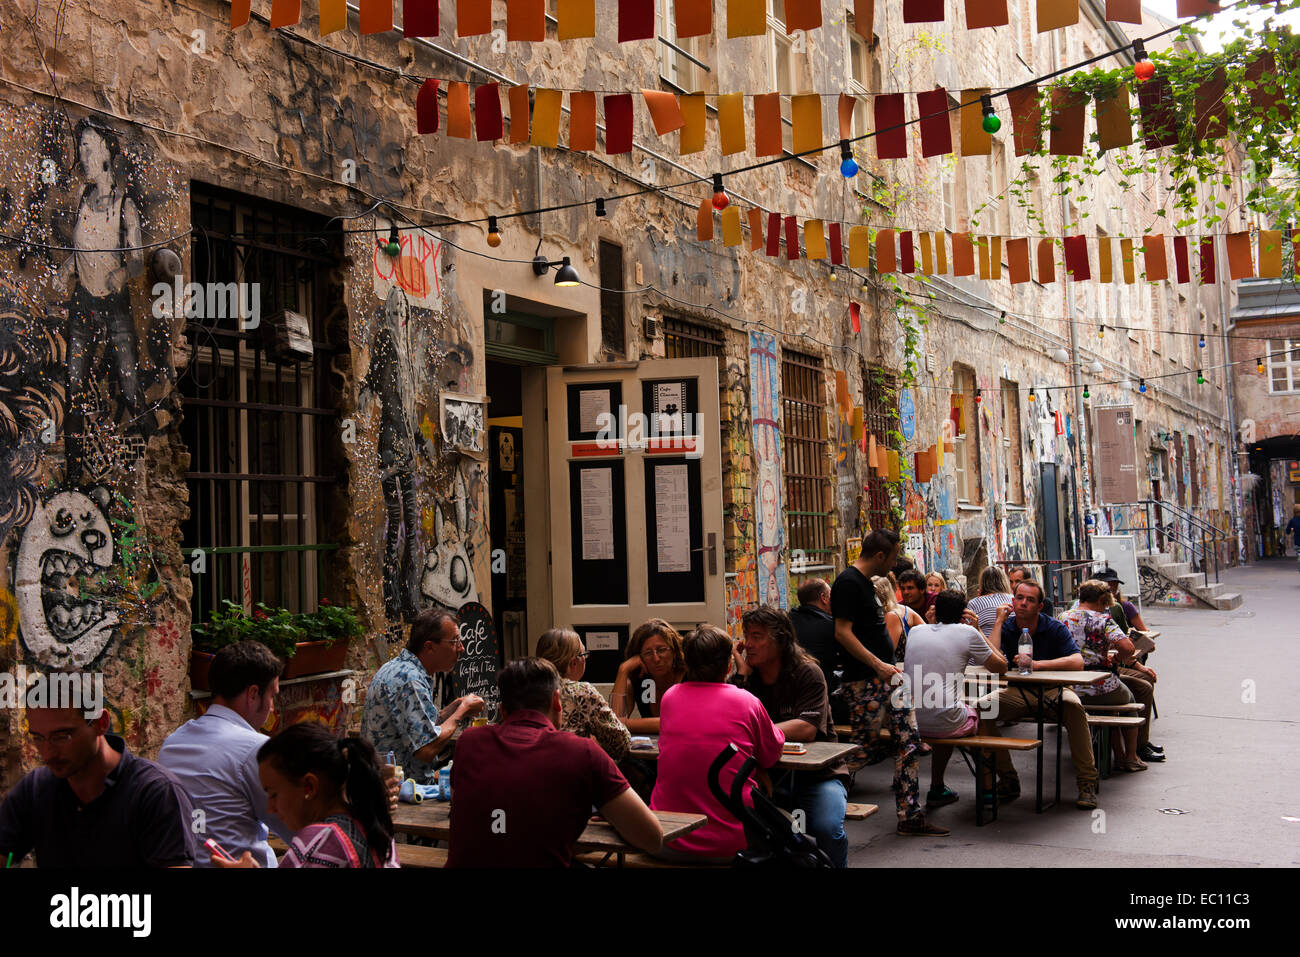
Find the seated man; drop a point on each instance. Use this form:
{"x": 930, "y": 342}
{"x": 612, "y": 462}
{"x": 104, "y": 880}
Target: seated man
{"x": 911, "y": 586}
{"x": 791, "y": 688}
{"x": 937, "y": 656}
{"x": 1135, "y": 674}
{"x": 1098, "y": 637}
{"x": 815, "y": 628}
{"x": 214, "y": 756}
{"x": 1054, "y": 650}
{"x": 1020, "y": 573}
{"x": 94, "y": 803}
{"x": 523, "y": 790}
{"x": 400, "y": 714}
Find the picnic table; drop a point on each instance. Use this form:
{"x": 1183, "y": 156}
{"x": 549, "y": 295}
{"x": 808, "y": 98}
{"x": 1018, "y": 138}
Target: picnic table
{"x": 821, "y": 755}
{"x": 433, "y": 819}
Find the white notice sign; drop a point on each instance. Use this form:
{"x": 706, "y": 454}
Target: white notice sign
{"x": 592, "y": 404}
{"x": 602, "y": 641}
{"x": 672, "y": 518}
{"x": 597, "y": 515}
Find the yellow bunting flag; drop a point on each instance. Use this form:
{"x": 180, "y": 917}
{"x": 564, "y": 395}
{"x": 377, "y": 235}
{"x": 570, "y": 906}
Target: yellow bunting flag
{"x": 894, "y": 473}
{"x": 575, "y": 19}
{"x": 806, "y": 118}
{"x": 546, "y": 118}
{"x": 1105, "y": 273}
{"x": 974, "y": 141}
{"x": 940, "y": 253}
{"x": 1114, "y": 125}
{"x": 1126, "y": 257}
{"x": 982, "y": 245}
{"x": 814, "y": 239}
{"x": 732, "y": 234}
{"x": 927, "y": 255}
{"x": 1270, "y": 253}
{"x": 731, "y": 123}
{"x": 746, "y": 18}
{"x": 857, "y": 423}
{"x": 333, "y": 16}
{"x": 859, "y": 247}
{"x": 693, "y": 112}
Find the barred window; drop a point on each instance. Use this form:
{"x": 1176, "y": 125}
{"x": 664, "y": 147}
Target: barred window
{"x": 807, "y": 477}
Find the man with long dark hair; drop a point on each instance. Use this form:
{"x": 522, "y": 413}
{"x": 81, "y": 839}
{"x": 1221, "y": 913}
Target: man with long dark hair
{"x": 788, "y": 682}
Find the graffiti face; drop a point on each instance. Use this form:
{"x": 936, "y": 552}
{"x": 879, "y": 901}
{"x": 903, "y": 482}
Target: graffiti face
{"x": 67, "y": 541}
{"x": 448, "y": 577}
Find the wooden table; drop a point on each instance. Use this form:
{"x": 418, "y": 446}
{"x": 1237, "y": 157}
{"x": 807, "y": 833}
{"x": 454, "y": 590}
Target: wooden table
{"x": 433, "y": 819}
{"x": 1038, "y": 684}
{"x": 821, "y": 755}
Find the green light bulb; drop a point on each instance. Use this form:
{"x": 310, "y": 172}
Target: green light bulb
{"x": 991, "y": 123}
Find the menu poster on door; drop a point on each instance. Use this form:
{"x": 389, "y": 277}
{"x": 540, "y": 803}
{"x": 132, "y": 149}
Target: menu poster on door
{"x": 1116, "y": 455}
{"x": 669, "y": 404}
{"x": 672, "y": 519}
{"x": 592, "y": 405}
{"x": 597, "y": 498}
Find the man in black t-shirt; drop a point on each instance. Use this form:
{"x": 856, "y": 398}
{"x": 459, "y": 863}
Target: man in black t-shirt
{"x": 815, "y": 628}
{"x": 788, "y": 682}
{"x": 94, "y": 803}
{"x": 873, "y": 683}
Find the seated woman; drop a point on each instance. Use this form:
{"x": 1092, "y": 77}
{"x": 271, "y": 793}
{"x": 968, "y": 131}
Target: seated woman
{"x": 899, "y": 619}
{"x": 654, "y": 664}
{"x": 700, "y": 717}
{"x": 994, "y": 592}
{"x": 330, "y": 792}
{"x": 585, "y": 712}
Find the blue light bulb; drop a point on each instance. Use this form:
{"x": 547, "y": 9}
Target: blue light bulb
{"x": 849, "y": 168}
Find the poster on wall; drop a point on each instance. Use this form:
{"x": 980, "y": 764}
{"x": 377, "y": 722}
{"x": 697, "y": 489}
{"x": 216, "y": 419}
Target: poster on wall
{"x": 672, "y": 519}
{"x": 1116, "y": 455}
{"x": 597, "y": 498}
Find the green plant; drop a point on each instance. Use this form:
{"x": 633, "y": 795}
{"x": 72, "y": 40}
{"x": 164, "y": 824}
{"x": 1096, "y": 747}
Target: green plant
{"x": 277, "y": 628}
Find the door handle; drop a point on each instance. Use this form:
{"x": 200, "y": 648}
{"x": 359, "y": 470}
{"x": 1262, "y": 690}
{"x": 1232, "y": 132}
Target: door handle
{"x": 712, "y": 550}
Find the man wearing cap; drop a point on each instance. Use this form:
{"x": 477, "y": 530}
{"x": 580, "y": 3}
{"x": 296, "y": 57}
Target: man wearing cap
{"x": 1137, "y": 677}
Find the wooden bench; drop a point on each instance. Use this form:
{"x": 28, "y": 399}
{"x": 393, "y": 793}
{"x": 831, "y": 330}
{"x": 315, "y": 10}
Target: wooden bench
{"x": 859, "y": 812}
{"x": 414, "y": 855}
{"x": 978, "y": 752}
{"x": 636, "y": 860}
{"x": 1132, "y": 707}
{"x": 1101, "y": 743}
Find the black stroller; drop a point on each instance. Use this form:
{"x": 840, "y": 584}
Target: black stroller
{"x": 773, "y": 841}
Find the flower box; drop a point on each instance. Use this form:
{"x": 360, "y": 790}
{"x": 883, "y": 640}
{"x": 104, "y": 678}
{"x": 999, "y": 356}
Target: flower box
{"x": 316, "y": 657}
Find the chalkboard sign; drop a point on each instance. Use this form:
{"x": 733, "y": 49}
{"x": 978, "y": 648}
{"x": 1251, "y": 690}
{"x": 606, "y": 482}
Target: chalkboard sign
{"x": 480, "y": 658}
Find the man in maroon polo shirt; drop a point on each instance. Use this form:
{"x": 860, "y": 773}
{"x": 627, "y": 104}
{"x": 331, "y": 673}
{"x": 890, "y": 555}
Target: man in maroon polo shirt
{"x": 522, "y": 791}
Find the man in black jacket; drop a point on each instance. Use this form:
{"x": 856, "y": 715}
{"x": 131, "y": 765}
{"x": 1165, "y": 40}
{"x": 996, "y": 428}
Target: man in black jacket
{"x": 815, "y": 628}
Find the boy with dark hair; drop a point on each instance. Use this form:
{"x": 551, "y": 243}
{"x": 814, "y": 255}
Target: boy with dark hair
{"x": 524, "y": 790}
{"x": 911, "y": 588}
{"x": 214, "y": 756}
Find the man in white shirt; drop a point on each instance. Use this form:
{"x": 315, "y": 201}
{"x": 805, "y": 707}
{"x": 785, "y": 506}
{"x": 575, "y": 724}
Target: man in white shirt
{"x": 937, "y": 656}
{"x": 215, "y": 755}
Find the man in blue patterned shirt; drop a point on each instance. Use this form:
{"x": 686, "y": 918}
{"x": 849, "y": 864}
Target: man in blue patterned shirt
{"x": 400, "y": 713}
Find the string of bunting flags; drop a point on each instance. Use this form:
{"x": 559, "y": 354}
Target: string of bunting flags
{"x": 576, "y": 19}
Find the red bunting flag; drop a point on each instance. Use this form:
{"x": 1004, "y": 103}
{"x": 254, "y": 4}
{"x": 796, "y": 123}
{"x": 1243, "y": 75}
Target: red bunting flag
{"x": 1026, "y": 119}
{"x": 802, "y": 15}
{"x": 837, "y": 248}
{"x": 1046, "y": 261}
{"x": 519, "y": 124}
{"x": 1124, "y": 11}
{"x": 665, "y": 112}
{"x": 285, "y": 13}
{"x": 1196, "y": 8}
{"x": 922, "y": 11}
{"x": 1159, "y": 113}
{"x": 694, "y": 18}
{"x": 855, "y": 316}
{"x": 582, "y": 120}
{"x": 1182, "y": 266}
{"x": 1241, "y": 258}
{"x": 755, "y": 229}
{"x": 936, "y": 127}
{"x": 704, "y": 221}
{"x": 636, "y": 20}
{"x": 791, "y": 238}
{"x": 986, "y": 13}
{"x": 239, "y": 12}
{"x": 420, "y": 18}
{"x": 886, "y": 258}
{"x": 1211, "y": 112}
{"x": 1076, "y": 258}
{"x": 864, "y": 18}
{"x": 618, "y": 123}
{"x": 1018, "y": 260}
{"x": 459, "y": 123}
{"x": 906, "y": 254}
{"x": 963, "y": 255}
{"x": 426, "y": 107}
{"x": 1067, "y": 122}
{"x": 891, "y": 134}
{"x": 1207, "y": 269}
{"x": 473, "y": 17}
{"x": 1265, "y": 90}
{"x": 488, "y": 124}
{"x": 1153, "y": 257}
{"x": 773, "y": 234}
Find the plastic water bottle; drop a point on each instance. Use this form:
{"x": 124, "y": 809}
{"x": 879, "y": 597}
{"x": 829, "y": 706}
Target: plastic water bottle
{"x": 1026, "y": 648}
{"x": 444, "y": 782}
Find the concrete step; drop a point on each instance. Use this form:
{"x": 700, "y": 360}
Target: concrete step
{"x": 1227, "y": 602}
{"x": 1195, "y": 582}
{"x": 1174, "y": 571}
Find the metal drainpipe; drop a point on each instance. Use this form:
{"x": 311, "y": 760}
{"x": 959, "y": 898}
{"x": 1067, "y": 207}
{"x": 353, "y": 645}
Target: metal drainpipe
{"x": 1235, "y": 460}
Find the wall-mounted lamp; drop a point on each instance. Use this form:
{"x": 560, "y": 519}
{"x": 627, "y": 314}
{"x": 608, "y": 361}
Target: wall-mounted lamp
{"x": 566, "y": 275}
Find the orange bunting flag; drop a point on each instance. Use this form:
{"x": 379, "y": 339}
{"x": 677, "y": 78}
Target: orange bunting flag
{"x": 526, "y": 20}
{"x": 982, "y": 250}
{"x": 1124, "y": 11}
{"x": 692, "y": 134}
{"x": 1026, "y": 119}
{"x": 693, "y": 18}
{"x": 864, "y": 18}
{"x": 886, "y": 257}
{"x": 731, "y": 123}
{"x": 285, "y": 13}
{"x": 473, "y": 17}
{"x": 1153, "y": 257}
{"x": 547, "y": 105}
{"x": 746, "y": 18}
{"x": 518, "y": 97}
{"x": 240, "y": 11}
{"x": 755, "y": 229}
{"x": 458, "y": 119}
{"x": 1067, "y": 121}
{"x": 334, "y": 17}
{"x": 859, "y": 247}
{"x": 986, "y": 13}
{"x": 1046, "y": 261}
{"x": 1126, "y": 258}
{"x": 802, "y": 15}
{"x": 872, "y": 456}
{"x": 974, "y": 141}
{"x": 847, "y": 104}
{"x": 1240, "y": 263}
{"x": 767, "y": 124}
{"x": 963, "y": 255}
{"x": 732, "y": 234}
{"x": 1054, "y": 14}
{"x": 704, "y": 221}
{"x": 575, "y": 19}
{"x": 995, "y": 252}
{"x": 376, "y": 16}
{"x": 582, "y": 120}
{"x": 940, "y": 254}
{"x": 1018, "y": 260}
{"x": 806, "y": 119}
{"x": 1114, "y": 124}
{"x": 665, "y": 112}
{"x": 1196, "y": 8}
{"x": 814, "y": 239}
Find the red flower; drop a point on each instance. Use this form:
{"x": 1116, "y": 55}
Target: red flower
{"x": 326, "y": 602}
{"x": 259, "y": 615}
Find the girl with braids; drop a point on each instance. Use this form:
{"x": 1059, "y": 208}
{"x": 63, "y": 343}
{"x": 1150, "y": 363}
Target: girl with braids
{"x": 329, "y": 791}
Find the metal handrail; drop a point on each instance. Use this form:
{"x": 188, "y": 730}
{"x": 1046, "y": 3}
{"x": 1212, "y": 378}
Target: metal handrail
{"x": 1209, "y": 533}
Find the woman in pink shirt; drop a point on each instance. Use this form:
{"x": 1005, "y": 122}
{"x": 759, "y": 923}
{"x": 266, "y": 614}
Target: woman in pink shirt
{"x": 697, "y": 719}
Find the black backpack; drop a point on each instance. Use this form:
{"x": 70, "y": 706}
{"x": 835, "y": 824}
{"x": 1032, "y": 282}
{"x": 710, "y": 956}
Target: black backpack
{"x": 773, "y": 842}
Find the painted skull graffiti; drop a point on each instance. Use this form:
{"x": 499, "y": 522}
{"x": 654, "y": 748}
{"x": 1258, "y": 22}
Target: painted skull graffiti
{"x": 448, "y": 577}
{"x": 67, "y": 542}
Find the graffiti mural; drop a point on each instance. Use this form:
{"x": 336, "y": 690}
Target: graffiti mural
{"x": 448, "y": 578}
{"x": 1022, "y": 537}
{"x": 1155, "y": 589}
{"x": 742, "y": 584}
{"x": 764, "y": 385}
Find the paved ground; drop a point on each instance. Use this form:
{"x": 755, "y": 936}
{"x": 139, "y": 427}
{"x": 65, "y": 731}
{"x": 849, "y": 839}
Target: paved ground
{"x": 1228, "y": 684}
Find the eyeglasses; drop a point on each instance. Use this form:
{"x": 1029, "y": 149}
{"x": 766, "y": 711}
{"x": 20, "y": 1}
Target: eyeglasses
{"x": 656, "y": 652}
{"x": 57, "y": 738}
